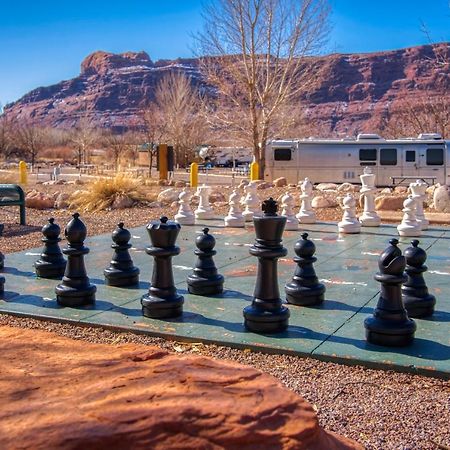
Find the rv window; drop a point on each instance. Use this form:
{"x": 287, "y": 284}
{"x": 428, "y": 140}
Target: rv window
{"x": 367, "y": 154}
{"x": 410, "y": 156}
{"x": 388, "y": 156}
{"x": 435, "y": 156}
{"x": 282, "y": 154}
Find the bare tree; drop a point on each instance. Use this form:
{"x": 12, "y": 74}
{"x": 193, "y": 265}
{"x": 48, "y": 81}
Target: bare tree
{"x": 82, "y": 137}
{"x": 6, "y": 136}
{"x": 254, "y": 54}
{"x": 117, "y": 145}
{"x": 31, "y": 140}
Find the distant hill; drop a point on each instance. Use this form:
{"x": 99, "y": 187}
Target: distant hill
{"x": 351, "y": 96}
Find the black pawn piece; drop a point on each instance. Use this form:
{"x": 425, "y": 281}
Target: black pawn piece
{"x": 2, "y": 261}
{"x": 2, "y": 285}
{"x": 418, "y": 302}
{"x": 390, "y": 324}
{"x": 267, "y": 314}
{"x": 51, "y": 264}
{"x": 305, "y": 289}
{"x": 205, "y": 280}
{"x": 162, "y": 299}
{"x": 121, "y": 271}
{"x": 75, "y": 289}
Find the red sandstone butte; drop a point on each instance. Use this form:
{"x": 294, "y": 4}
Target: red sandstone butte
{"x": 58, "y": 393}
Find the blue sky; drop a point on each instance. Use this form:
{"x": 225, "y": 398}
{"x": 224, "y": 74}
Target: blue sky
{"x": 43, "y": 42}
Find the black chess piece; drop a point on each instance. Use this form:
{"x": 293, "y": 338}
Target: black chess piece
{"x": 75, "y": 289}
{"x": 304, "y": 289}
{"x": 418, "y": 301}
{"x": 267, "y": 314}
{"x": 205, "y": 280}
{"x": 2, "y": 285}
{"x": 162, "y": 299}
{"x": 2, "y": 261}
{"x": 121, "y": 271}
{"x": 390, "y": 324}
{"x": 51, "y": 264}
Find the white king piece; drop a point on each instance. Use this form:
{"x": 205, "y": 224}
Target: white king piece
{"x": 419, "y": 193}
{"x": 306, "y": 213}
{"x": 369, "y": 217}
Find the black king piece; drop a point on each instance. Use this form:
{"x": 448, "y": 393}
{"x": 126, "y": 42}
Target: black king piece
{"x": 162, "y": 299}
{"x": 267, "y": 314}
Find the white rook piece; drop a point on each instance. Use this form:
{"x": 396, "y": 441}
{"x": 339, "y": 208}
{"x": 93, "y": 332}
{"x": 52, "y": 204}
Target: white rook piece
{"x": 409, "y": 226}
{"x": 204, "y": 210}
{"x": 349, "y": 223}
{"x": 185, "y": 216}
{"x": 306, "y": 213}
{"x": 419, "y": 193}
{"x": 369, "y": 217}
{"x": 287, "y": 203}
{"x": 234, "y": 219}
{"x": 251, "y": 201}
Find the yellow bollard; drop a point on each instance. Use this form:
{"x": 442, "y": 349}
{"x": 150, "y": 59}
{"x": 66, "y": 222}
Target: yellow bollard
{"x": 254, "y": 171}
{"x": 193, "y": 178}
{"x": 23, "y": 175}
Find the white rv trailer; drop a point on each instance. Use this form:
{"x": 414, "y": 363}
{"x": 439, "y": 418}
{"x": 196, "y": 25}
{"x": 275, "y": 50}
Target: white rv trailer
{"x": 340, "y": 160}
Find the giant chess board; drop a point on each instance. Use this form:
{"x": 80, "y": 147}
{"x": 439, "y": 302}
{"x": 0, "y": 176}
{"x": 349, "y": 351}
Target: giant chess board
{"x": 333, "y": 331}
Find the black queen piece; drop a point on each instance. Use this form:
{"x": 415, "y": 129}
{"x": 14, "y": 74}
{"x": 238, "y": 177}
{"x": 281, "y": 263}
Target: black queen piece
{"x": 267, "y": 314}
{"x": 162, "y": 299}
{"x": 390, "y": 324}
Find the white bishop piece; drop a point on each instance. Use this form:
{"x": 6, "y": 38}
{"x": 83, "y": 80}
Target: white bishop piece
{"x": 185, "y": 216}
{"x": 287, "y": 203}
{"x": 306, "y": 213}
{"x": 349, "y": 223}
{"x": 409, "y": 226}
{"x": 419, "y": 193}
{"x": 251, "y": 202}
{"x": 234, "y": 219}
{"x": 204, "y": 210}
{"x": 369, "y": 217}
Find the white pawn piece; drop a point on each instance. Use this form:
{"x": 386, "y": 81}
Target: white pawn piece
{"x": 234, "y": 219}
{"x": 369, "y": 217}
{"x": 306, "y": 213}
{"x": 349, "y": 223}
{"x": 185, "y": 216}
{"x": 287, "y": 203}
{"x": 204, "y": 210}
{"x": 419, "y": 193}
{"x": 251, "y": 202}
{"x": 409, "y": 226}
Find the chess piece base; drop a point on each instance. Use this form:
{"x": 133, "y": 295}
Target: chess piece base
{"x": 204, "y": 214}
{"x": 409, "y": 230}
{"x": 67, "y": 296}
{"x": 204, "y": 286}
{"x": 291, "y": 224}
{"x": 119, "y": 278}
{"x": 259, "y": 321}
{"x": 49, "y": 270}
{"x": 424, "y": 223}
{"x": 234, "y": 222}
{"x": 369, "y": 220}
{"x": 306, "y": 217}
{"x": 389, "y": 334}
{"x": 162, "y": 308}
{"x": 349, "y": 227}
{"x": 419, "y": 307}
{"x": 303, "y": 295}
{"x": 248, "y": 216}
{"x": 185, "y": 220}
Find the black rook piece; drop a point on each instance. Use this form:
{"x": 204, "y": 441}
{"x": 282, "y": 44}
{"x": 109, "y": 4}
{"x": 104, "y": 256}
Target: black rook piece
{"x": 162, "y": 300}
{"x": 390, "y": 324}
{"x": 418, "y": 302}
{"x": 121, "y": 271}
{"x": 305, "y": 289}
{"x": 75, "y": 289}
{"x": 205, "y": 280}
{"x": 51, "y": 264}
{"x": 267, "y": 314}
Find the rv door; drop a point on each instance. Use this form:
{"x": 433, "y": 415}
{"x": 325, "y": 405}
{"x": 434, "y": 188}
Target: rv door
{"x": 410, "y": 163}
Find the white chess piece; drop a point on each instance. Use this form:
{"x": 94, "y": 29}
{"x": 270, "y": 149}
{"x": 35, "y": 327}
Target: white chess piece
{"x": 369, "y": 217}
{"x": 306, "y": 213}
{"x": 204, "y": 210}
{"x": 409, "y": 226}
{"x": 234, "y": 219}
{"x": 349, "y": 223}
{"x": 185, "y": 216}
{"x": 419, "y": 193}
{"x": 251, "y": 202}
{"x": 287, "y": 203}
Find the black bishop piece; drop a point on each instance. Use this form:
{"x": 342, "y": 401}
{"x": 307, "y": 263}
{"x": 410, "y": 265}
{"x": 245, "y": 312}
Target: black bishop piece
{"x": 121, "y": 271}
{"x": 390, "y": 324}
{"x": 205, "y": 280}
{"x": 267, "y": 314}
{"x": 304, "y": 289}
{"x": 418, "y": 301}
{"x": 51, "y": 263}
{"x": 162, "y": 299}
{"x": 75, "y": 289}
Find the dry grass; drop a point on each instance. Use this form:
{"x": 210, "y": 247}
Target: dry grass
{"x": 9, "y": 177}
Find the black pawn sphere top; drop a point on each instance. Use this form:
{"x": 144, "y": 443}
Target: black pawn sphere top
{"x": 390, "y": 324}
{"x": 121, "y": 271}
{"x": 75, "y": 289}
{"x": 51, "y": 263}
{"x": 162, "y": 299}
{"x": 267, "y": 314}
{"x": 205, "y": 280}
{"x": 418, "y": 301}
{"x": 305, "y": 289}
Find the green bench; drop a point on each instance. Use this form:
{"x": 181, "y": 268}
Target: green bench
{"x": 13, "y": 195}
